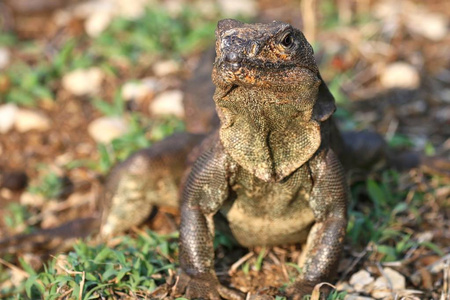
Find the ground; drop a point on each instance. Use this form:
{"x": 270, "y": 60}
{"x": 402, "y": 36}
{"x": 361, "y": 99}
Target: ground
{"x": 386, "y": 62}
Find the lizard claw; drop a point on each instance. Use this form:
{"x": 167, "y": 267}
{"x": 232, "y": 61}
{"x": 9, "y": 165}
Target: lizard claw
{"x": 204, "y": 286}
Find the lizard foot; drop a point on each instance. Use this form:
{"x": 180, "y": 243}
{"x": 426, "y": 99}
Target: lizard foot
{"x": 205, "y": 286}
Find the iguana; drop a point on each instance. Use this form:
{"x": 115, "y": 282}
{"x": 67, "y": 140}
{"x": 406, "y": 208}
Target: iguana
{"x": 270, "y": 169}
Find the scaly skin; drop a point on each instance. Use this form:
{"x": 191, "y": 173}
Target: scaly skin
{"x": 269, "y": 169}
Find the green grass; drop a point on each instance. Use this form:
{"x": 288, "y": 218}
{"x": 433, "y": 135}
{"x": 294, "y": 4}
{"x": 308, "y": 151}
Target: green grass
{"x": 134, "y": 267}
{"x": 126, "y": 43}
{"x": 49, "y": 184}
{"x": 380, "y": 221}
{"x": 15, "y": 217}
{"x": 157, "y": 32}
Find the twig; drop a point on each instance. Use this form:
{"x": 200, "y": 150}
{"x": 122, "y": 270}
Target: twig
{"x": 392, "y": 128}
{"x": 83, "y": 278}
{"x": 13, "y": 267}
{"x": 354, "y": 263}
{"x": 388, "y": 280}
{"x": 238, "y": 263}
{"x": 66, "y": 293}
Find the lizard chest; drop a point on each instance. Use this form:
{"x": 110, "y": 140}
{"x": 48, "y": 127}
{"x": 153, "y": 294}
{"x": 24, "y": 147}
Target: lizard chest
{"x": 269, "y": 213}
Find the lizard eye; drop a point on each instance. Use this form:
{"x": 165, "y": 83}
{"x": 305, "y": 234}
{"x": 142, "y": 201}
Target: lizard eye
{"x": 288, "y": 40}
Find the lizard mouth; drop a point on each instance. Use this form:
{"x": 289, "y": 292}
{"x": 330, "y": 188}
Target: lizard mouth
{"x": 236, "y": 70}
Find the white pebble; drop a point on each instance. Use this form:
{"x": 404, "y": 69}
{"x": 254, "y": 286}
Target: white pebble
{"x": 360, "y": 280}
{"x": 137, "y": 90}
{"x": 391, "y": 281}
{"x": 166, "y": 67}
{"x": 131, "y": 9}
{"x": 4, "y": 57}
{"x": 238, "y": 7}
{"x": 97, "y": 23}
{"x": 430, "y": 25}
{"x": 33, "y": 200}
{"x": 8, "y": 114}
{"x": 400, "y": 75}
{"x": 168, "y": 103}
{"x": 83, "y": 81}
{"x": 105, "y": 129}
{"x": 27, "y": 120}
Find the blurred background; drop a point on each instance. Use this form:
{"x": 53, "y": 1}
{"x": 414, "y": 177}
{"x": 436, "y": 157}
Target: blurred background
{"x": 85, "y": 83}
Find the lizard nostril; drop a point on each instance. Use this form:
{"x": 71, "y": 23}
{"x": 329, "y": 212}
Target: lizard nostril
{"x": 233, "y": 57}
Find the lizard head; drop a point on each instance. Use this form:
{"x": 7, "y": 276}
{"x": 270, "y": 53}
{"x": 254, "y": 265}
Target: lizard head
{"x": 273, "y": 56}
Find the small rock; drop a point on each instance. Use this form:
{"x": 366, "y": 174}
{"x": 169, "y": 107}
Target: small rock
{"x": 8, "y": 114}
{"x": 344, "y": 286}
{"x": 64, "y": 159}
{"x": 5, "y": 193}
{"x": 360, "y": 280}
{"x": 30, "y": 199}
{"x": 391, "y": 281}
{"x": 168, "y": 103}
{"x": 137, "y": 90}
{"x": 430, "y": 25}
{"x": 425, "y": 236}
{"x": 205, "y": 8}
{"x": 84, "y": 148}
{"x": 400, "y": 75}
{"x": 83, "y": 81}
{"x": 105, "y": 129}
{"x": 51, "y": 219}
{"x": 27, "y": 120}
{"x": 87, "y": 8}
{"x": 131, "y": 9}
{"x": 4, "y": 57}
{"x": 386, "y": 10}
{"x": 164, "y": 68}
{"x": 62, "y": 17}
{"x": 238, "y": 7}
{"x": 174, "y": 7}
{"x": 97, "y": 23}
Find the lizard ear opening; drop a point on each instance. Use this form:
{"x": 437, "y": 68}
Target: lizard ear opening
{"x": 324, "y": 106}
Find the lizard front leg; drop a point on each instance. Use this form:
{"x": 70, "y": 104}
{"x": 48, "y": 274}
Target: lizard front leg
{"x": 204, "y": 191}
{"x": 197, "y": 278}
{"x": 329, "y": 203}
